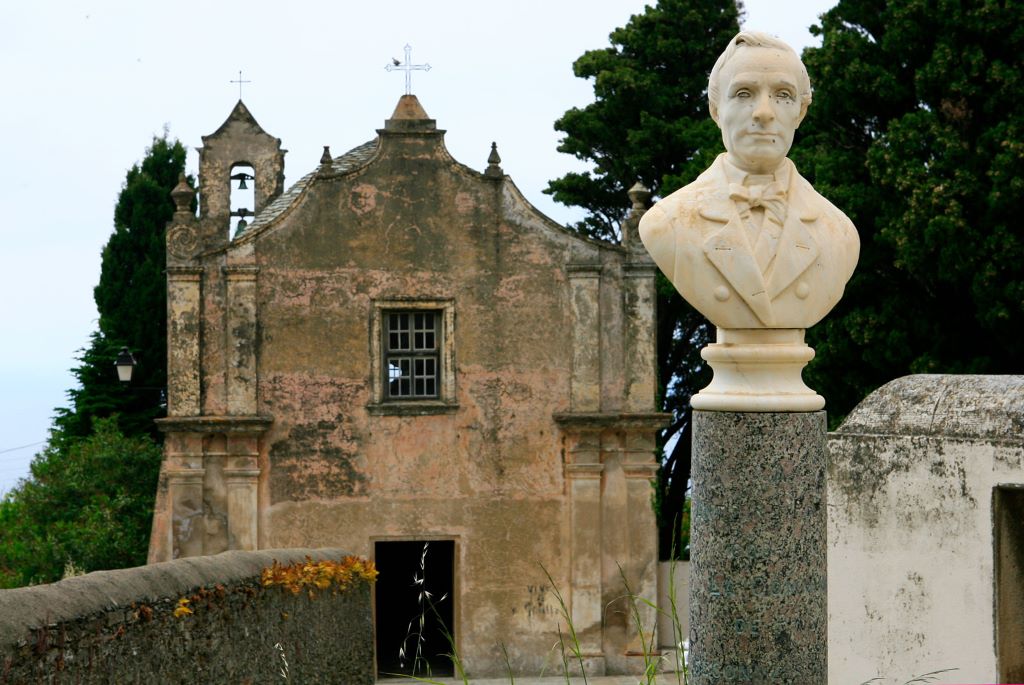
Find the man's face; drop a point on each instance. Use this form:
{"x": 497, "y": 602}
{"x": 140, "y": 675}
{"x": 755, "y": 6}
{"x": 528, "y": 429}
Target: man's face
{"x": 759, "y": 107}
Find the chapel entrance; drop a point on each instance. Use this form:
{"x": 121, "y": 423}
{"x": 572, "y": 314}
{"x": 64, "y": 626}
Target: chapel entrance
{"x": 412, "y": 624}
{"x": 1008, "y": 514}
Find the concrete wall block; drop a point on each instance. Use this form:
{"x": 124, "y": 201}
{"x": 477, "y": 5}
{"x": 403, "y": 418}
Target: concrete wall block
{"x": 911, "y": 478}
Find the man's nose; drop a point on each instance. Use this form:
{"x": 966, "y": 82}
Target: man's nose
{"x": 763, "y": 112}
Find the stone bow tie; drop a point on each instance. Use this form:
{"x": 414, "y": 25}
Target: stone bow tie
{"x": 772, "y": 197}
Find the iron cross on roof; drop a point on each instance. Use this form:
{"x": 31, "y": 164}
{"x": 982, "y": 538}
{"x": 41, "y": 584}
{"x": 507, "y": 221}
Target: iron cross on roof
{"x": 407, "y": 68}
{"x": 239, "y": 82}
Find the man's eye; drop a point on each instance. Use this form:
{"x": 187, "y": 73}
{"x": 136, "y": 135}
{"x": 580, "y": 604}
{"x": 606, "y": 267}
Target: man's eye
{"x": 742, "y": 94}
{"x": 784, "y": 95}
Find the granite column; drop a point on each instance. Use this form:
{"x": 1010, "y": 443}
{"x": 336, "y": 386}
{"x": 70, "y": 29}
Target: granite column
{"x": 758, "y": 588}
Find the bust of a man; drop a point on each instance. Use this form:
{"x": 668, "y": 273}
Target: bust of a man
{"x": 750, "y": 244}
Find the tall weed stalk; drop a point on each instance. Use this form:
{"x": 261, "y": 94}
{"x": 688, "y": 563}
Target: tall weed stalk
{"x": 426, "y": 605}
{"x": 575, "y": 642}
{"x": 647, "y": 640}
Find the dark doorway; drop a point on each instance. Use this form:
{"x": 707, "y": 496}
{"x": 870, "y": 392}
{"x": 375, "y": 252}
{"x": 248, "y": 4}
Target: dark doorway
{"x": 1008, "y": 513}
{"x": 415, "y": 607}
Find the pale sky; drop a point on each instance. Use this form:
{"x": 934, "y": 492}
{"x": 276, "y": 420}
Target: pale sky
{"x": 86, "y": 85}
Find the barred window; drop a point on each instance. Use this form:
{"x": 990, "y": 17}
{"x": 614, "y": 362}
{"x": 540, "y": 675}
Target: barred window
{"x": 412, "y": 354}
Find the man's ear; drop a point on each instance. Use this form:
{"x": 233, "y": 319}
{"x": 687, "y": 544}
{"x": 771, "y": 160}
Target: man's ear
{"x": 713, "y": 109}
{"x": 803, "y": 113}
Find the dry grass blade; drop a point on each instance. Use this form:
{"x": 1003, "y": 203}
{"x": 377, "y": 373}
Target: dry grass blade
{"x": 576, "y": 650}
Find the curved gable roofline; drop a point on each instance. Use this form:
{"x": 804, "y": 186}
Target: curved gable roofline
{"x": 408, "y": 119}
{"x": 361, "y": 156}
{"x": 551, "y": 223}
{"x": 356, "y": 158}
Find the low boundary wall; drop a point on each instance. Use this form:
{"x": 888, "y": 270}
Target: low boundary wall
{"x": 194, "y": 620}
{"x": 915, "y": 532}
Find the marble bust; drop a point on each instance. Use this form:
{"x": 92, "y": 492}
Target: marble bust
{"x": 750, "y": 244}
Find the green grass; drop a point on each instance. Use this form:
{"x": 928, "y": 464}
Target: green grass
{"x": 568, "y": 646}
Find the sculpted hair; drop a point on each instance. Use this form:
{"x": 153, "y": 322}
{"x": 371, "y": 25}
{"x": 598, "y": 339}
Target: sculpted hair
{"x": 756, "y": 39}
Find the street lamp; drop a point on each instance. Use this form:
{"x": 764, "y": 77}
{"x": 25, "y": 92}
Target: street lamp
{"x": 125, "y": 364}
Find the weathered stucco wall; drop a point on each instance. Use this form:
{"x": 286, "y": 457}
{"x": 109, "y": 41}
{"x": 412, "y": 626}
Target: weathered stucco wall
{"x": 539, "y": 450}
{"x": 119, "y": 626}
{"x": 488, "y": 469}
{"x": 911, "y": 549}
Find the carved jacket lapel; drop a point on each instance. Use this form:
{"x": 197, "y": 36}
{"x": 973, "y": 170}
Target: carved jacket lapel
{"x": 726, "y": 247}
{"x": 796, "y": 249}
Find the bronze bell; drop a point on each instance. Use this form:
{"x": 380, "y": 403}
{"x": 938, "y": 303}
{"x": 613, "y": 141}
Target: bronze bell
{"x": 242, "y": 177}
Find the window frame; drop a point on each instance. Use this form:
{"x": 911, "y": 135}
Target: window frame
{"x": 445, "y": 400}
{"x": 415, "y": 334}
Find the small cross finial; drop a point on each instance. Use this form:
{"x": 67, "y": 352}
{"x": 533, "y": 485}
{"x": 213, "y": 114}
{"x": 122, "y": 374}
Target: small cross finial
{"x": 407, "y": 67}
{"x": 239, "y": 82}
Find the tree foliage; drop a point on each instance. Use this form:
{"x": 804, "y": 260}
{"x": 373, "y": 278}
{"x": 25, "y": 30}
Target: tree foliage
{"x": 88, "y": 504}
{"x": 649, "y": 119}
{"x": 89, "y": 499}
{"x": 649, "y": 122}
{"x": 916, "y": 132}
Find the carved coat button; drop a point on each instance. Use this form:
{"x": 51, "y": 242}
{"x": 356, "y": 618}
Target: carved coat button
{"x": 722, "y": 293}
{"x": 803, "y": 290}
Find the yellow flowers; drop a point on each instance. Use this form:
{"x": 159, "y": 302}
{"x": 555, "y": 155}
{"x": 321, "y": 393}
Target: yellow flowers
{"x": 182, "y": 608}
{"x": 310, "y": 576}
{"x": 316, "y": 576}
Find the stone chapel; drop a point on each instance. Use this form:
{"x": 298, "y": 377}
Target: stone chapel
{"x": 401, "y": 357}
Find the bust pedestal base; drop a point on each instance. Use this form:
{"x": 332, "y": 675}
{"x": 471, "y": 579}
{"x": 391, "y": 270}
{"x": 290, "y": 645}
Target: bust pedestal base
{"x": 758, "y": 370}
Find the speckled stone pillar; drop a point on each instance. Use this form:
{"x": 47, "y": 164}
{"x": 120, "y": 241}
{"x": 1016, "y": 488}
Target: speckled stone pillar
{"x": 758, "y": 593}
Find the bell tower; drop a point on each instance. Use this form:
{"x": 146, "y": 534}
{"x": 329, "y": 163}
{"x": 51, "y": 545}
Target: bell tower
{"x": 241, "y": 170}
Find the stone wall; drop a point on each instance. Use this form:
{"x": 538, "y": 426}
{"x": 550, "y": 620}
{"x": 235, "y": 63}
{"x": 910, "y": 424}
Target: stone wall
{"x": 916, "y": 476}
{"x": 120, "y": 626}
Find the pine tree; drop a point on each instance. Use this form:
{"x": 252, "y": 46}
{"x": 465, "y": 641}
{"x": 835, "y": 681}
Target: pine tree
{"x": 649, "y": 121}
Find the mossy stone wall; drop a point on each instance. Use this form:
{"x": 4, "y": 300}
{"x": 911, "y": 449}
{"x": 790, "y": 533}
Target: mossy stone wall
{"x": 121, "y": 626}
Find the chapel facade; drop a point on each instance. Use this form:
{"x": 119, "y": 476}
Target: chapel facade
{"x": 401, "y": 357}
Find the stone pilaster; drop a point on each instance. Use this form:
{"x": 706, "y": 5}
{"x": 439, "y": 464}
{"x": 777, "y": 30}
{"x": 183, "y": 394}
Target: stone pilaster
{"x": 184, "y": 472}
{"x": 212, "y": 473}
{"x": 758, "y": 593}
{"x": 639, "y": 335}
{"x": 241, "y": 339}
{"x": 183, "y": 330}
{"x": 583, "y": 475}
{"x": 609, "y": 465}
{"x": 242, "y": 477}
{"x": 642, "y": 541}
{"x": 584, "y": 290}
{"x": 630, "y": 540}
